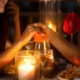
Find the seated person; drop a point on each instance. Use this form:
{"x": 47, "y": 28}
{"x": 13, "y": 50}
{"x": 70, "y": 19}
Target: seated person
{"x": 6, "y": 55}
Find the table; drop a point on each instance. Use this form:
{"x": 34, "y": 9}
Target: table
{"x": 52, "y": 76}
{"x": 9, "y": 78}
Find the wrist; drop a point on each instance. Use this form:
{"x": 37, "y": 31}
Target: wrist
{"x": 51, "y": 36}
{"x": 16, "y": 23}
{"x": 16, "y": 18}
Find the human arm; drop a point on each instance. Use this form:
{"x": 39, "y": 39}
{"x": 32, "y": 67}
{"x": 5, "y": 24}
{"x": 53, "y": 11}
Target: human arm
{"x": 13, "y": 11}
{"x": 9, "y": 54}
{"x": 67, "y": 49}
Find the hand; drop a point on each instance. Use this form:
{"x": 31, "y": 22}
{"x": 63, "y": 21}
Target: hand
{"x": 27, "y": 34}
{"x": 43, "y": 32}
{"x": 13, "y": 10}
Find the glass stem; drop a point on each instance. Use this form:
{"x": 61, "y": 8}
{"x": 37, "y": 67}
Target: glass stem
{"x": 42, "y": 71}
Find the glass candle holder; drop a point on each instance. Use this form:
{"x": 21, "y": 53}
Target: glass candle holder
{"x": 47, "y": 10}
{"x": 26, "y": 65}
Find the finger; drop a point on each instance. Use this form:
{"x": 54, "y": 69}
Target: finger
{"x": 32, "y": 26}
{"x": 12, "y": 8}
{"x": 27, "y": 36}
{"x": 12, "y": 3}
{"x": 11, "y": 12}
{"x": 29, "y": 30}
{"x": 43, "y": 26}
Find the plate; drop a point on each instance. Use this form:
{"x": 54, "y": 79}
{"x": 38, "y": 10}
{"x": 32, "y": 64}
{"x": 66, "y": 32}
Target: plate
{"x": 10, "y": 69}
{"x": 62, "y": 78}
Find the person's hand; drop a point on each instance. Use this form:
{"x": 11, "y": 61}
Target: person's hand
{"x": 27, "y": 34}
{"x": 13, "y": 10}
{"x": 43, "y": 32}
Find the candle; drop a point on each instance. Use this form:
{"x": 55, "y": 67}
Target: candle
{"x": 51, "y": 61}
{"x": 53, "y": 27}
{"x": 26, "y": 69}
{"x": 51, "y": 56}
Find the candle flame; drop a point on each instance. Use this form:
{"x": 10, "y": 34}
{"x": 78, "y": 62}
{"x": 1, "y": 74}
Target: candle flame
{"x": 50, "y": 25}
{"x": 51, "y": 56}
{"x": 53, "y": 27}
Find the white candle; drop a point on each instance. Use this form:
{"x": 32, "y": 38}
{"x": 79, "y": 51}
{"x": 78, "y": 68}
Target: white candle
{"x": 26, "y": 71}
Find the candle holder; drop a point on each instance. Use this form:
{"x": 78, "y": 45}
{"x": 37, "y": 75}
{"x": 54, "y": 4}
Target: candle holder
{"x": 47, "y": 13}
{"x": 26, "y": 65}
{"x": 51, "y": 15}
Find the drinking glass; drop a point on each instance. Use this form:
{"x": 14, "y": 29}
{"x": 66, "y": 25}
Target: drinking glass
{"x": 46, "y": 59}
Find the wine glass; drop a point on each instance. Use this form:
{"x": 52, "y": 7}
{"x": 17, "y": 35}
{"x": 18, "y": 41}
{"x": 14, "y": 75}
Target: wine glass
{"x": 43, "y": 60}
{"x": 43, "y": 56}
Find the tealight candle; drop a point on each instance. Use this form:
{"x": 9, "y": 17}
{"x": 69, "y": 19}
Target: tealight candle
{"x": 26, "y": 71}
{"x": 26, "y": 68}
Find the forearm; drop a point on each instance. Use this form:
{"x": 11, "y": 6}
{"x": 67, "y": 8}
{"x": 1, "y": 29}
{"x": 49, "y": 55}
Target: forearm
{"x": 67, "y": 49}
{"x": 8, "y": 55}
{"x": 17, "y": 33}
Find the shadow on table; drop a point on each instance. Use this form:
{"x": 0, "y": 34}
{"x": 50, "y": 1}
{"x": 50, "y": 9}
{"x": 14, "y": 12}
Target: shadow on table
{"x": 55, "y": 71}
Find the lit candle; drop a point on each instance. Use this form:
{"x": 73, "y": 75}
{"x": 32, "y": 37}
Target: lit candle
{"x": 53, "y": 27}
{"x": 51, "y": 56}
{"x": 26, "y": 69}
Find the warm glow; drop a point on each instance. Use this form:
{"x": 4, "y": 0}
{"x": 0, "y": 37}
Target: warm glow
{"x": 44, "y": 46}
{"x": 53, "y": 27}
{"x": 50, "y": 26}
{"x": 26, "y": 68}
{"x": 51, "y": 57}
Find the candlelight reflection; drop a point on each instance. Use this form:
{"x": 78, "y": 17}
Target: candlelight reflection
{"x": 53, "y": 27}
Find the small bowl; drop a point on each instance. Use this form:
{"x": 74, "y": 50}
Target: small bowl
{"x": 67, "y": 79}
{"x": 60, "y": 78}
